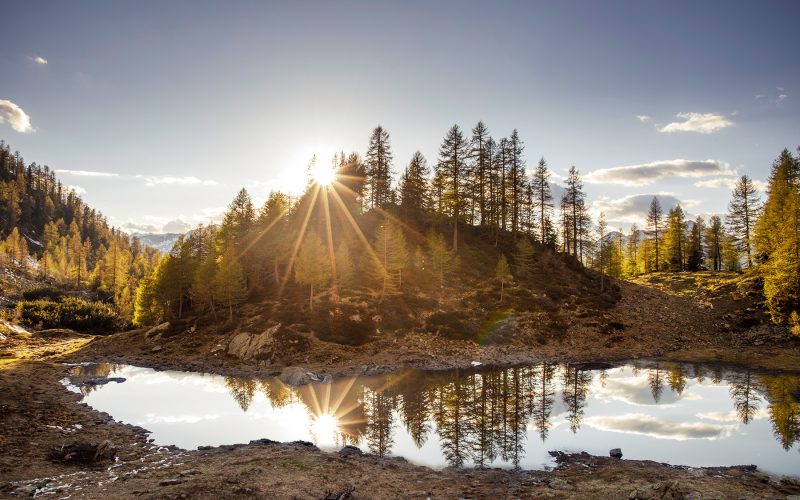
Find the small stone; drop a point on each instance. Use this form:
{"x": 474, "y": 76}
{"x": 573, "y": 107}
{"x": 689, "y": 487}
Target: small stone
{"x": 157, "y": 348}
{"x": 171, "y": 482}
{"x": 560, "y": 484}
{"x": 615, "y": 452}
{"x": 26, "y": 490}
{"x": 190, "y": 472}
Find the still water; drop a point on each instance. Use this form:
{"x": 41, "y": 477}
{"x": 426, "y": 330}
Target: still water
{"x": 667, "y": 412}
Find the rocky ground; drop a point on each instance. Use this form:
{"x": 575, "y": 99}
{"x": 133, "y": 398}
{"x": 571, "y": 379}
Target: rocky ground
{"x": 662, "y": 316}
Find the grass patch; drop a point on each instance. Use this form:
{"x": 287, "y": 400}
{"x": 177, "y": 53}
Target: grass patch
{"x": 76, "y": 314}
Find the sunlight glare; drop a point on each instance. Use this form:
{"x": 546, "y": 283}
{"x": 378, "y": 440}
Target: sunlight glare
{"x": 323, "y": 174}
{"x": 325, "y": 428}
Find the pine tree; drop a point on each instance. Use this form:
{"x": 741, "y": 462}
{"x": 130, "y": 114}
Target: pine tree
{"x": 655, "y": 224}
{"x": 236, "y": 232}
{"x": 379, "y": 168}
{"x": 390, "y": 248}
{"x": 440, "y": 257}
{"x": 481, "y": 159}
{"x": 695, "y": 254}
{"x": 675, "y": 238}
{"x": 714, "y": 240}
{"x": 783, "y": 181}
{"x": 452, "y": 167}
{"x": 503, "y": 273}
{"x": 229, "y": 283}
{"x": 543, "y": 197}
{"x": 145, "y": 309}
{"x": 632, "y": 250}
{"x": 602, "y": 229}
{"x": 743, "y": 211}
{"x": 345, "y": 271}
{"x": 517, "y": 180}
{"x": 523, "y": 258}
{"x": 414, "y": 186}
{"x": 573, "y": 203}
{"x": 312, "y": 267}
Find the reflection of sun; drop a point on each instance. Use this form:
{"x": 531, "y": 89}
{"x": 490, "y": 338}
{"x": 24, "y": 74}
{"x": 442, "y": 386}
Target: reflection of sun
{"x": 325, "y": 427}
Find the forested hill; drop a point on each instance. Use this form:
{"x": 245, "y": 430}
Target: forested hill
{"x": 49, "y": 232}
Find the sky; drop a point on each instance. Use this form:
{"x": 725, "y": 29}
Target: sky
{"x": 157, "y": 113}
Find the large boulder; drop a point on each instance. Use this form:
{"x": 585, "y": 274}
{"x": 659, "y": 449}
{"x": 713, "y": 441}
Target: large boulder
{"x": 246, "y": 346}
{"x": 296, "y": 375}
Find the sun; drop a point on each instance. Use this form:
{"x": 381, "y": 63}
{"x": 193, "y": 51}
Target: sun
{"x": 323, "y": 175}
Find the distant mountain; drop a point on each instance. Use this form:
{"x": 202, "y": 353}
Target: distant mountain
{"x": 160, "y": 241}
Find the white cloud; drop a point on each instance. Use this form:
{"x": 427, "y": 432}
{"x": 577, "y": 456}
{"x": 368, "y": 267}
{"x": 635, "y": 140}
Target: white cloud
{"x": 632, "y": 208}
{"x": 648, "y": 425}
{"x": 648, "y": 173}
{"x": 728, "y": 183}
{"x": 38, "y": 60}
{"x": 703, "y": 123}
{"x": 152, "y": 180}
{"x": 644, "y": 118}
{"x": 86, "y": 173}
{"x": 14, "y": 115}
{"x": 76, "y": 189}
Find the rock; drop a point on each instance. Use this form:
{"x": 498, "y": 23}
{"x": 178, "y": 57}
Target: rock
{"x": 247, "y": 346}
{"x": 171, "y": 482}
{"x": 156, "y": 331}
{"x": 92, "y": 381}
{"x": 303, "y": 443}
{"x": 157, "y": 348}
{"x": 26, "y": 490}
{"x": 476, "y": 363}
{"x": 327, "y": 379}
{"x": 190, "y": 472}
{"x": 261, "y": 442}
{"x": 295, "y": 375}
{"x": 349, "y": 451}
{"x": 560, "y": 484}
{"x": 615, "y": 452}
{"x": 81, "y": 452}
{"x": 345, "y": 494}
{"x": 790, "y": 481}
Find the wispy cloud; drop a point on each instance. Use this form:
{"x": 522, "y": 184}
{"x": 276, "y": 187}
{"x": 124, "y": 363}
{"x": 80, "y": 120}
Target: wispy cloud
{"x": 727, "y": 183}
{"x": 15, "y": 117}
{"x": 38, "y": 59}
{"x": 152, "y": 180}
{"x": 644, "y": 118}
{"x": 86, "y": 173}
{"x": 649, "y": 173}
{"x": 702, "y": 123}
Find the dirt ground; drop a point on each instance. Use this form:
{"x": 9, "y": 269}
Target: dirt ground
{"x": 660, "y": 317}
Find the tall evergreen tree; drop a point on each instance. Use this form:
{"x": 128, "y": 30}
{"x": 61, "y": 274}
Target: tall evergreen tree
{"x": 543, "y": 197}
{"x": 481, "y": 160}
{"x": 414, "y": 186}
{"x": 312, "y": 267}
{"x": 655, "y": 223}
{"x": 695, "y": 254}
{"x": 452, "y": 166}
{"x": 379, "y": 168}
{"x": 715, "y": 234}
{"x": 743, "y": 211}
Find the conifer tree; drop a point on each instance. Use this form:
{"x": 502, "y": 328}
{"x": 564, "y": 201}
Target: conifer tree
{"x": 312, "y": 267}
{"x": 523, "y": 258}
{"x": 517, "y": 180}
{"x": 390, "y": 248}
{"x": 440, "y": 257}
{"x": 655, "y": 224}
{"x": 503, "y": 273}
{"x": 230, "y": 286}
{"x": 743, "y": 211}
{"x": 543, "y": 197}
{"x": 714, "y": 240}
{"x": 414, "y": 186}
{"x": 695, "y": 254}
{"x": 379, "y": 168}
{"x": 602, "y": 229}
{"x": 632, "y": 250}
{"x": 481, "y": 159}
{"x": 452, "y": 166}
{"x": 345, "y": 271}
{"x": 784, "y": 179}
{"x": 675, "y": 238}
{"x": 573, "y": 203}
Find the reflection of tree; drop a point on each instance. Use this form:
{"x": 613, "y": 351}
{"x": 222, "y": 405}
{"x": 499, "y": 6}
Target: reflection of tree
{"x": 278, "y": 393}
{"x": 90, "y": 371}
{"x": 784, "y": 410}
{"x": 543, "y": 395}
{"x": 745, "y": 400}
{"x": 655, "y": 378}
{"x": 576, "y": 388}
{"x": 451, "y": 421}
{"x": 416, "y": 413}
{"x": 677, "y": 377}
{"x": 699, "y": 372}
{"x": 483, "y": 415}
{"x": 515, "y": 417}
{"x": 242, "y": 390}
{"x": 378, "y": 408}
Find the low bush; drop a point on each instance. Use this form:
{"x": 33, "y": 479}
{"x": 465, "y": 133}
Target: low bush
{"x": 44, "y": 293}
{"x": 77, "y": 314}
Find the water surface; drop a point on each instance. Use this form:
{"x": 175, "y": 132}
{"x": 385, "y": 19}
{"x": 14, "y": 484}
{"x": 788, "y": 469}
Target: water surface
{"x": 667, "y": 412}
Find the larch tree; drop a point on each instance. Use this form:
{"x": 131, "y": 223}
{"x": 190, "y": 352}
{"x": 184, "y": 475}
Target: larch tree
{"x": 517, "y": 180}
{"x": 379, "y": 168}
{"x": 602, "y": 232}
{"x": 675, "y": 238}
{"x": 390, "y": 248}
{"x": 576, "y": 218}
{"x": 743, "y": 211}
{"x": 481, "y": 159}
{"x": 715, "y": 234}
{"x": 414, "y": 186}
{"x": 312, "y": 267}
{"x": 655, "y": 223}
{"x": 503, "y": 273}
{"x": 784, "y": 179}
{"x": 523, "y": 258}
{"x": 694, "y": 252}
{"x": 229, "y": 283}
{"x": 543, "y": 197}
{"x": 452, "y": 166}
{"x": 632, "y": 250}
{"x": 440, "y": 257}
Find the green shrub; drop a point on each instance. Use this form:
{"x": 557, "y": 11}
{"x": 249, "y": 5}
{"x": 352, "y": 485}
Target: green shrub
{"x": 45, "y": 292}
{"x": 77, "y": 314}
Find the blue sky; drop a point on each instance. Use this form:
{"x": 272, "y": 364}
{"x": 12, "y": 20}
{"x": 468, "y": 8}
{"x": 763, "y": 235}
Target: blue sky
{"x": 182, "y": 103}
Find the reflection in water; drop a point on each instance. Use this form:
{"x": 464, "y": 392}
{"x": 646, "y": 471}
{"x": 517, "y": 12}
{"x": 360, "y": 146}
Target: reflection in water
{"x": 497, "y": 416}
